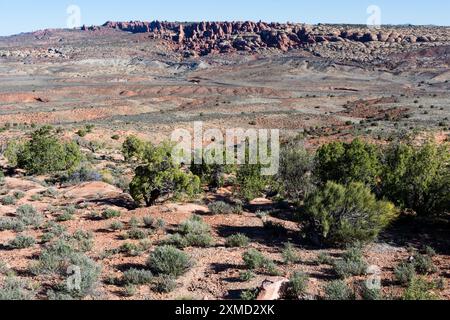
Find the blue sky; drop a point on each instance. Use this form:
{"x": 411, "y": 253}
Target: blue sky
{"x": 28, "y": 15}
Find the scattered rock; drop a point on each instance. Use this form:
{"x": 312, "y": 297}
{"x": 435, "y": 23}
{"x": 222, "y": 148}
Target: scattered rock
{"x": 40, "y": 99}
{"x": 128, "y": 93}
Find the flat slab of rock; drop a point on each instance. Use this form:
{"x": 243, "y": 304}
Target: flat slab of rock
{"x": 94, "y": 190}
{"x": 271, "y": 289}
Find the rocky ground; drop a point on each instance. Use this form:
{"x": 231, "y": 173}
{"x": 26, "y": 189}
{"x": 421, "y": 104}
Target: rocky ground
{"x": 216, "y": 270}
{"x": 324, "y": 82}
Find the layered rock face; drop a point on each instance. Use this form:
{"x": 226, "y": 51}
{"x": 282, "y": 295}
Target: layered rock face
{"x": 203, "y": 38}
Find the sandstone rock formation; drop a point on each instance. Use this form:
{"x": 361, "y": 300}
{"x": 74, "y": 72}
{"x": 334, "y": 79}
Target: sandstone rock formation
{"x": 203, "y": 38}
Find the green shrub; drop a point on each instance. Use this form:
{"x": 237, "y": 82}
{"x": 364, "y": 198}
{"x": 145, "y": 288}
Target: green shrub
{"x": 29, "y": 216}
{"x": 164, "y": 284}
{"x": 420, "y": 289}
{"x": 348, "y": 162}
{"x": 116, "y": 226}
{"x": 89, "y": 127}
{"x": 159, "y": 176}
{"x": 65, "y": 216}
{"x": 57, "y": 255}
{"x": 440, "y": 283}
{"x": 296, "y": 165}
{"x": 249, "y": 295}
{"x": 47, "y": 237}
{"x": 134, "y": 223}
{"x": 12, "y": 151}
{"x": 53, "y": 230}
{"x": 429, "y": 251}
{"x": 45, "y": 153}
{"x": 160, "y": 224}
{"x": 192, "y": 233}
{"x": 246, "y": 275}
{"x": 7, "y": 223}
{"x": 8, "y": 201}
{"x": 50, "y": 193}
{"x": 82, "y": 133}
{"x": 210, "y": 174}
{"x": 298, "y": 284}
{"x": 90, "y": 274}
{"x": 131, "y": 249}
{"x": 133, "y": 147}
{"x": 18, "y": 195}
{"x": 255, "y": 260}
{"x": 22, "y": 242}
{"x": 168, "y": 260}
{"x": 338, "y": 290}
{"x": 177, "y": 240}
{"x": 113, "y": 281}
{"x": 148, "y": 221}
{"x": 54, "y": 258}
{"x": 137, "y": 277}
{"x": 237, "y": 241}
{"x": 130, "y": 290}
{"x": 354, "y": 253}
{"x": 289, "y": 254}
{"x": 220, "y": 207}
{"x": 60, "y": 257}
{"x": 194, "y": 225}
{"x": 250, "y": 182}
{"x": 367, "y": 293}
{"x": 202, "y": 240}
{"x": 83, "y": 173}
{"x": 342, "y": 215}
{"x": 115, "y": 137}
{"x": 136, "y": 234}
{"x": 262, "y": 214}
{"x": 145, "y": 244}
{"x": 423, "y": 264}
{"x": 404, "y": 273}
{"x": 36, "y": 197}
{"x": 351, "y": 264}
{"x": 237, "y": 207}
{"x": 4, "y": 268}
{"x": 324, "y": 258}
{"x": 418, "y": 177}
{"x": 190, "y": 240}
{"x": 107, "y": 254}
{"x": 82, "y": 240}
{"x": 110, "y": 213}
{"x": 16, "y": 289}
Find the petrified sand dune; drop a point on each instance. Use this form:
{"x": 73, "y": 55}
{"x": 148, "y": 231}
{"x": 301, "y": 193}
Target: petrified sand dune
{"x": 90, "y": 190}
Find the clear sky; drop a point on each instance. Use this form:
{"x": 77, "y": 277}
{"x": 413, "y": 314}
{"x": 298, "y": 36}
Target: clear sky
{"x": 29, "y": 15}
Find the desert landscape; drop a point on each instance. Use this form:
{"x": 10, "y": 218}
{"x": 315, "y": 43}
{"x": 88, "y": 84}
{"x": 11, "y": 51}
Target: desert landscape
{"x": 84, "y": 111}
